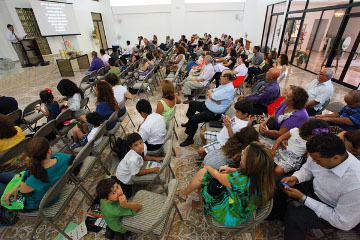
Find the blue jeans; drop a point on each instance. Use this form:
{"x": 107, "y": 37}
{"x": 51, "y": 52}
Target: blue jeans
{"x": 5, "y": 178}
{"x": 190, "y": 65}
{"x": 88, "y": 73}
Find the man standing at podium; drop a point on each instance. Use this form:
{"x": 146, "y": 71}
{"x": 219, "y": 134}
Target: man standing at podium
{"x": 15, "y": 41}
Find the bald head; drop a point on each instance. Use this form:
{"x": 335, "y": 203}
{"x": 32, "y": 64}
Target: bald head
{"x": 272, "y": 74}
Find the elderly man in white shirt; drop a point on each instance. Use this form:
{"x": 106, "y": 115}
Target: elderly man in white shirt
{"x": 320, "y": 90}
{"x": 328, "y": 185}
{"x": 200, "y": 81}
{"x": 15, "y": 41}
{"x": 128, "y": 51}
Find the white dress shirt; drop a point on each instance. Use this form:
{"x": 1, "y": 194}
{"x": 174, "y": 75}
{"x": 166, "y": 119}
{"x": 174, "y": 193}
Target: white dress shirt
{"x": 11, "y": 36}
{"x": 319, "y": 92}
{"x": 91, "y": 136}
{"x": 236, "y": 125}
{"x": 119, "y": 93}
{"x": 241, "y": 70}
{"x": 75, "y": 102}
{"x": 129, "y": 166}
{"x": 214, "y": 48}
{"x": 337, "y": 188}
{"x": 128, "y": 50}
{"x": 207, "y": 74}
{"x": 153, "y": 129}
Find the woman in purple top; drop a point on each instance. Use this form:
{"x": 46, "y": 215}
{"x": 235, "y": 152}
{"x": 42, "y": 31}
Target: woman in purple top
{"x": 290, "y": 114}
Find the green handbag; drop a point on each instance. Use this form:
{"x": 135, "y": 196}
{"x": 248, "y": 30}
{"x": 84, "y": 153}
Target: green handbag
{"x": 19, "y": 202}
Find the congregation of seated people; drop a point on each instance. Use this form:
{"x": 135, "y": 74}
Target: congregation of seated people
{"x": 313, "y": 158}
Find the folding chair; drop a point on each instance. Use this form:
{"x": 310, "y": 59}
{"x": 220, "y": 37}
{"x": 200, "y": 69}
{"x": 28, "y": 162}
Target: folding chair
{"x": 334, "y": 107}
{"x": 201, "y": 92}
{"x": 84, "y": 103}
{"x": 323, "y": 107}
{"x": 121, "y": 119}
{"x": 61, "y": 118}
{"x": 88, "y": 164}
{"x": 15, "y": 151}
{"x": 111, "y": 133}
{"x": 96, "y": 151}
{"x": 169, "y": 135}
{"x": 162, "y": 177}
{"x": 49, "y": 128}
{"x": 85, "y": 84}
{"x": 16, "y": 115}
{"x": 144, "y": 85}
{"x": 239, "y": 91}
{"x": 53, "y": 213}
{"x": 30, "y": 116}
{"x": 248, "y": 225}
{"x": 154, "y": 215}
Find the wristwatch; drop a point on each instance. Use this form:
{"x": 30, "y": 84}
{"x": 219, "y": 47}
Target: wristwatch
{"x": 302, "y": 199}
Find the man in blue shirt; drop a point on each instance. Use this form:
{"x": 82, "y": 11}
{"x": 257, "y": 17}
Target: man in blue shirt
{"x": 267, "y": 95}
{"x": 219, "y": 99}
{"x": 96, "y": 63}
{"x": 349, "y": 117}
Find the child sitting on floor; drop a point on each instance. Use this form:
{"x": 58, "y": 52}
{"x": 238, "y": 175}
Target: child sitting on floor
{"x": 293, "y": 145}
{"x": 132, "y": 163}
{"x": 114, "y": 206}
{"x": 218, "y": 139}
{"x": 82, "y": 137}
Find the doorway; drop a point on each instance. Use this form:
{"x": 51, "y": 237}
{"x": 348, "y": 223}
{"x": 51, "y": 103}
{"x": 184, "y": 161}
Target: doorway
{"x": 99, "y": 28}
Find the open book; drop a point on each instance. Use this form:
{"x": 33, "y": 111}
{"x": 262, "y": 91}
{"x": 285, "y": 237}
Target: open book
{"x": 153, "y": 164}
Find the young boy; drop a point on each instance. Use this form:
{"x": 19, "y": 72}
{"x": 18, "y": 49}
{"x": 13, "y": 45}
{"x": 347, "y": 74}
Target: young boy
{"x": 153, "y": 129}
{"x": 242, "y": 110}
{"x": 132, "y": 163}
{"x": 114, "y": 205}
{"x": 81, "y": 139}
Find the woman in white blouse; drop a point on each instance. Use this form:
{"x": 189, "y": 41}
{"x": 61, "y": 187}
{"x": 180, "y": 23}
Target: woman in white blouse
{"x": 241, "y": 70}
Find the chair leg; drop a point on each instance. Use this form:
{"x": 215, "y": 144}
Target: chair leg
{"x": 178, "y": 211}
{"x": 253, "y": 233}
{"x": 104, "y": 167}
{"x": 172, "y": 172}
{"x": 131, "y": 120}
{"x": 86, "y": 193}
{"x": 58, "y": 229}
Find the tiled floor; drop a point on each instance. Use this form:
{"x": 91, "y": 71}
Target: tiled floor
{"x": 195, "y": 225}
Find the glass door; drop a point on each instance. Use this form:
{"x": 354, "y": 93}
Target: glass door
{"x": 291, "y": 31}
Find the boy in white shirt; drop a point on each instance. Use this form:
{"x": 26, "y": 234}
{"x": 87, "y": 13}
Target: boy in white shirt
{"x": 218, "y": 139}
{"x": 133, "y": 162}
{"x": 153, "y": 129}
{"x": 82, "y": 137}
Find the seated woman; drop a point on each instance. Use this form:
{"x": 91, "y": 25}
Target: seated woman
{"x": 44, "y": 170}
{"x": 106, "y": 103}
{"x": 166, "y": 105}
{"x": 241, "y": 70}
{"x": 351, "y": 138}
{"x": 10, "y": 135}
{"x": 179, "y": 60}
{"x": 291, "y": 113}
{"x": 147, "y": 67}
{"x": 196, "y": 65}
{"x": 120, "y": 92}
{"x": 73, "y": 94}
{"x": 244, "y": 190}
{"x": 289, "y": 156}
{"x": 135, "y": 55}
{"x": 230, "y": 153}
{"x": 227, "y": 64}
{"x": 282, "y": 63}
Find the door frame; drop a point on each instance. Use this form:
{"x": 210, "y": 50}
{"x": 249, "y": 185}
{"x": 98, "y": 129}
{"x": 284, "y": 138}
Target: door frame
{"x": 97, "y": 25}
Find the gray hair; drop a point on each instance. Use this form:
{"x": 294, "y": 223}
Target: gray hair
{"x": 209, "y": 58}
{"x": 135, "y": 49}
{"x": 329, "y": 73}
{"x": 94, "y": 54}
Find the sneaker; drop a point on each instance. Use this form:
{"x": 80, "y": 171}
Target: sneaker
{"x": 187, "y": 142}
{"x": 75, "y": 145}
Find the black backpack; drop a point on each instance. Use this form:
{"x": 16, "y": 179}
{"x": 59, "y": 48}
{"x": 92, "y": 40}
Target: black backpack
{"x": 121, "y": 148}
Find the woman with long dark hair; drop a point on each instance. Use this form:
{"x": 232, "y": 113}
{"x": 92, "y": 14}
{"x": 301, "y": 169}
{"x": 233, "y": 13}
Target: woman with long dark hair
{"x": 73, "y": 94}
{"x": 44, "y": 170}
{"x": 106, "y": 103}
{"x": 231, "y": 195}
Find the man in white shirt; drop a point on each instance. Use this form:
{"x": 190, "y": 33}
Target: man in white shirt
{"x": 128, "y": 50}
{"x": 153, "y": 129}
{"x": 200, "y": 81}
{"x": 104, "y": 57}
{"x": 328, "y": 185}
{"x": 320, "y": 90}
{"x": 15, "y": 41}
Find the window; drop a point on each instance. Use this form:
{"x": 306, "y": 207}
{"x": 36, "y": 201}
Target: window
{"x": 122, "y": 3}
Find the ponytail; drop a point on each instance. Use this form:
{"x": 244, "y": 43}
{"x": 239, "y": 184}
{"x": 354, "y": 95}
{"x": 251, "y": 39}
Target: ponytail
{"x": 37, "y": 150}
{"x": 244, "y": 58}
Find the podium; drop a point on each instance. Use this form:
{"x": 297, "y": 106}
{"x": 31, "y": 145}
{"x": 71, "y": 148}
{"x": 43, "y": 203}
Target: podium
{"x": 32, "y": 51}
{"x": 65, "y": 67}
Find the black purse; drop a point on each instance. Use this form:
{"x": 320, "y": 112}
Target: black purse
{"x": 272, "y": 124}
{"x": 215, "y": 188}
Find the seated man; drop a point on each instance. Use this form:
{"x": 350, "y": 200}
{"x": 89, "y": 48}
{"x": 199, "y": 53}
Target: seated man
{"x": 104, "y": 56}
{"x": 319, "y": 90}
{"x": 349, "y": 117}
{"x": 153, "y": 129}
{"x": 128, "y": 50}
{"x": 200, "y": 81}
{"x": 114, "y": 55}
{"x": 256, "y": 61}
{"x": 267, "y": 95}
{"x": 331, "y": 181}
{"x": 219, "y": 99}
{"x": 96, "y": 63}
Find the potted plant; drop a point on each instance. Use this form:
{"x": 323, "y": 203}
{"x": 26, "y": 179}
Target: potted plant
{"x": 302, "y": 57}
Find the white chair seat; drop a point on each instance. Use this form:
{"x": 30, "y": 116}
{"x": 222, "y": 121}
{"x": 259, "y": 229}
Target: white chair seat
{"x": 143, "y": 220}
{"x": 99, "y": 148}
{"x": 138, "y": 85}
{"x": 33, "y": 117}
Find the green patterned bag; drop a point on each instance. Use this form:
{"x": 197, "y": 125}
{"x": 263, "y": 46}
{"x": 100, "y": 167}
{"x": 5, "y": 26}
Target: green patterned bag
{"x": 19, "y": 202}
